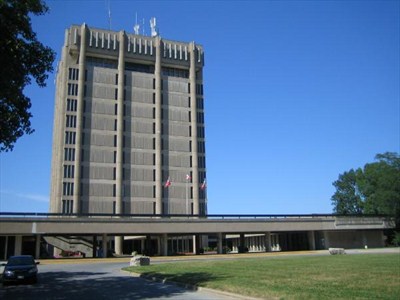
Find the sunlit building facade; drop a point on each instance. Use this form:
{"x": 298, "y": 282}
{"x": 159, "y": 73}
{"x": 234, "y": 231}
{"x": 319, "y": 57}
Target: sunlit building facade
{"x": 128, "y": 133}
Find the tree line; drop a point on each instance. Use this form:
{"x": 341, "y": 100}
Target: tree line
{"x": 372, "y": 189}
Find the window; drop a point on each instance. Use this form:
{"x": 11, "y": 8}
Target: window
{"x": 68, "y": 188}
{"x": 69, "y": 154}
{"x": 70, "y": 121}
{"x": 69, "y": 171}
{"x": 70, "y": 138}
{"x": 174, "y": 72}
{"x": 73, "y": 74}
{"x": 67, "y": 206}
{"x": 200, "y": 117}
{"x": 200, "y": 103}
{"x": 72, "y": 89}
{"x": 199, "y": 89}
{"x": 72, "y": 104}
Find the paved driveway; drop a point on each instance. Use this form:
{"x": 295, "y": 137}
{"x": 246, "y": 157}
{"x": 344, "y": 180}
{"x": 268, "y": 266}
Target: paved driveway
{"x": 97, "y": 281}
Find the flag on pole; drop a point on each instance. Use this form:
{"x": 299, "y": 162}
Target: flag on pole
{"x": 203, "y": 185}
{"x": 168, "y": 183}
{"x": 188, "y": 177}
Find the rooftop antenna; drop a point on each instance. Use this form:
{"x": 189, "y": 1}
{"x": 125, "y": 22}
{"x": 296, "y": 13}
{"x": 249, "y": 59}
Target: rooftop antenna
{"x": 143, "y": 26}
{"x": 109, "y": 15}
{"x": 153, "y": 27}
{"x": 136, "y": 27}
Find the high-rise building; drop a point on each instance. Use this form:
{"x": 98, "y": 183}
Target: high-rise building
{"x": 128, "y": 125}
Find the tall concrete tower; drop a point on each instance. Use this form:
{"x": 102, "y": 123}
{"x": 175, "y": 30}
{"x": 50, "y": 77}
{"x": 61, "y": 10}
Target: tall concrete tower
{"x": 129, "y": 117}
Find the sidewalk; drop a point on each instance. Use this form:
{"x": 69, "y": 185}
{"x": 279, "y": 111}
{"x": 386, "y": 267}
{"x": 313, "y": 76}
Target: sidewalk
{"x": 160, "y": 259}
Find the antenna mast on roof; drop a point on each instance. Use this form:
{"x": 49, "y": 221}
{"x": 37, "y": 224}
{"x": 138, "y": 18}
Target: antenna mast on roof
{"x": 136, "y": 27}
{"x": 153, "y": 27}
{"x": 109, "y": 15}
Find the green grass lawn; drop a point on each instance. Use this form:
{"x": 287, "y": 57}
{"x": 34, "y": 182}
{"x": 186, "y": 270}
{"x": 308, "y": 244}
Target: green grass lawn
{"x": 367, "y": 276}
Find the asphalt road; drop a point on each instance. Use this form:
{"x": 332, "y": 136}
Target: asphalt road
{"x": 98, "y": 281}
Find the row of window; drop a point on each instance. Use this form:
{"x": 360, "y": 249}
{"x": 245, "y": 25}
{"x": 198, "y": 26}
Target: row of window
{"x": 174, "y": 72}
{"x": 72, "y": 89}
{"x": 67, "y": 206}
{"x": 73, "y": 74}
{"x": 69, "y": 171}
{"x": 70, "y": 121}
{"x": 70, "y": 138}
{"x": 68, "y": 188}
{"x": 72, "y": 104}
{"x": 69, "y": 154}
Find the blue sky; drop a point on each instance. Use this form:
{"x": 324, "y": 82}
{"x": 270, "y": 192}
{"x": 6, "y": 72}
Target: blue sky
{"x": 296, "y": 92}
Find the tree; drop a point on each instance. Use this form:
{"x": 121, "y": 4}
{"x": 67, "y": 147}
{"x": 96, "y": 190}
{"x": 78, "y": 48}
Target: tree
{"x": 347, "y": 199}
{"x": 374, "y": 189}
{"x": 22, "y": 58}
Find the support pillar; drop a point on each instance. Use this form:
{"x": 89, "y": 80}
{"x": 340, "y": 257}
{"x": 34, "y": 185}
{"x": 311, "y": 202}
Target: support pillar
{"x": 311, "y": 240}
{"x": 18, "y": 245}
{"x": 6, "y": 248}
{"x": 149, "y": 250}
{"x": 326, "y": 240}
{"x": 118, "y": 245}
{"x": 267, "y": 241}
{"x": 94, "y": 249}
{"x": 37, "y": 246}
{"x": 241, "y": 243}
{"x": 196, "y": 244}
{"x": 104, "y": 245}
{"x": 219, "y": 243}
{"x": 164, "y": 244}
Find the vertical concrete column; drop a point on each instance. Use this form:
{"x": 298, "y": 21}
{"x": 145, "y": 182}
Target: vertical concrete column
{"x": 18, "y": 245}
{"x": 104, "y": 245}
{"x": 94, "y": 249}
{"x": 79, "y": 122}
{"x": 241, "y": 245}
{"x": 196, "y": 244}
{"x": 148, "y": 245}
{"x": 118, "y": 246}
{"x": 193, "y": 111}
{"x": 158, "y": 121}
{"x": 164, "y": 245}
{"x": 267, "y": 241}
{"x": 6, "y": 248}
{"x": 326, "y": 240}
{"x": 37, "y": 246}
{"x": 311, "y": 239}
{"x": 219, "y": 243}
{"x": 142, "y": 246}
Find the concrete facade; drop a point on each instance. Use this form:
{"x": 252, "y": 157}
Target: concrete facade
{"x": 129, "y": 115}
{"x": 165, "y": 236}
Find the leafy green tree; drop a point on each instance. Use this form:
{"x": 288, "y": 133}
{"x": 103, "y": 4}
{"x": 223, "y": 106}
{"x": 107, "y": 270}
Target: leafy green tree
{"x": 347, "y": 199}
{"x": 22, "y": 58}
{"x": 374, "y": 189}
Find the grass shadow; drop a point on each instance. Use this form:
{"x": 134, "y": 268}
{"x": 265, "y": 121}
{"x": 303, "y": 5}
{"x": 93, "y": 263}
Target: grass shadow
{"x": 188, "y": 279}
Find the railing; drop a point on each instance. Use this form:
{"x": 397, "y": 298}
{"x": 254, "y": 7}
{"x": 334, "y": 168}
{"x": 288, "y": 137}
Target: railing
{"x": 184, "y": 216}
